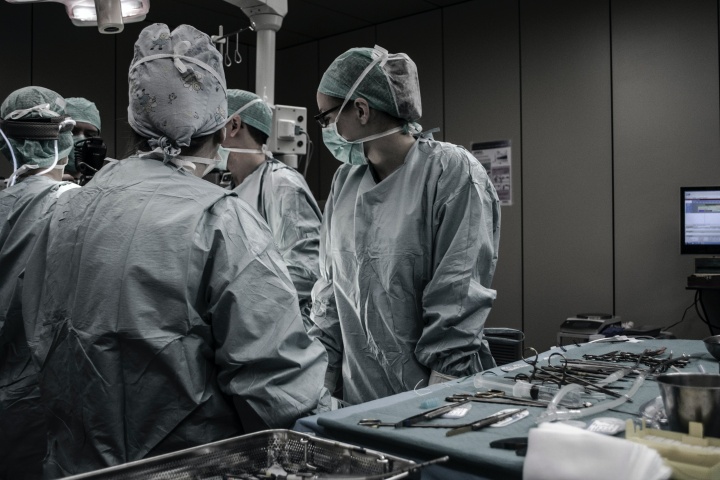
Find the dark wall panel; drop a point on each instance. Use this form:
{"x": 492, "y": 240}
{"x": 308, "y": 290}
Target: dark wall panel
{"x": 611, "y": 107}
{"x": 482, "y": 103}
{"x": 166, "y": 11}
{"x": 297, "y": 80}
{"x": 328, "y": 50}
{"x": 15, "y": 56}
{"x": 665, "y": 83}
{"x": 16, "y": 41}
{"x": 75, "y": 62}
{"x": 124, "y": 48}
{"x": 567, "y": 163}
{"x": 420, "y": 37}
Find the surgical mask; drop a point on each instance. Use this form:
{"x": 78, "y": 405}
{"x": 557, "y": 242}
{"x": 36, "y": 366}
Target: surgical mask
{"x": 224, "y": 153}
{"x": 353, "y": 152}
{"x": 188, "y": 163}
{"x": 210, "y": 162}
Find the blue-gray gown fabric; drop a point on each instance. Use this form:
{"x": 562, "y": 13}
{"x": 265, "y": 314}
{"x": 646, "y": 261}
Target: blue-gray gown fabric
{"x": 284, "y": 200}
{"x": 406, "y": 266}
{"x": 23, "y": 209}
{"x": 166, "y": 320}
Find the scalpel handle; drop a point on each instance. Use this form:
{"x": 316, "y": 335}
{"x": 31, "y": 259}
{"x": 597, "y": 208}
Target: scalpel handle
{"x": 485, "y": 422}
{"x": 429, "y": 415}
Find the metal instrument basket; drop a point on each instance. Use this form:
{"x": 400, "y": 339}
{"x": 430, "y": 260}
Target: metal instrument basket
{"x": 249, "y": 456}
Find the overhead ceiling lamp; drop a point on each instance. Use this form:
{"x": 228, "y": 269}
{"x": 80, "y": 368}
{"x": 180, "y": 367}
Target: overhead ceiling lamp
{"x": 108, "y": 15}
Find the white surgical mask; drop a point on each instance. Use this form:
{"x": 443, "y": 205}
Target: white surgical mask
{"x": 352, "y": 152}
{"x": 224, "y": 153}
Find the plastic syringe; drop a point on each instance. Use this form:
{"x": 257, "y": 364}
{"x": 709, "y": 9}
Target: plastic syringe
{"x": 522, "y": 389}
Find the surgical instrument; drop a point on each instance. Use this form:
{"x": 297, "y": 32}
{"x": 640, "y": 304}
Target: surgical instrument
{"x": 375, "y": 423}
{"x": 523, "y": 389}
{"x": 500, "y": 399}
{"x": 482, "y": 423}
{"x": 410, "y": 421}
{"x": 519, "y": 444}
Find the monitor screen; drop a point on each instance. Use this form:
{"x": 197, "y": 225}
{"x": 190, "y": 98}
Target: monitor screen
{"x": 700, "y": 220}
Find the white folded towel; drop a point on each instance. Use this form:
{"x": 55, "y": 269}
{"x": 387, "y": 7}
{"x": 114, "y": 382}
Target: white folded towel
{"x": 562, "y": 452}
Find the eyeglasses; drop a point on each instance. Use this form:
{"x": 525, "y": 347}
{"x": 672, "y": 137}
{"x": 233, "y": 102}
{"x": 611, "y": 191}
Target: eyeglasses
{"x": 321, "y": 117}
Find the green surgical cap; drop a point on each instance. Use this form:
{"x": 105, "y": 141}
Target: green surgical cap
{"x": 391, "y": 86}
{"x": 258, "y": 115}
{"x": 37, "y": 102}
{"x": 83, "y": 110}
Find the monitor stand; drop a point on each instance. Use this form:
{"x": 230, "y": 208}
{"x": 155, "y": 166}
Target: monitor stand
{"x": 707, "y": 265}
{"x": 708, "y": 298}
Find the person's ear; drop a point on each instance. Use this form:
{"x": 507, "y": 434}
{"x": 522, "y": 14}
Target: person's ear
{"x": 235, "y": 125}
{"x": 362, "y": 110}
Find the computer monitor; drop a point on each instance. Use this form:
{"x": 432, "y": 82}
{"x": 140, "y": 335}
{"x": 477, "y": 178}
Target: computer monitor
{"x": 700, "y": 220}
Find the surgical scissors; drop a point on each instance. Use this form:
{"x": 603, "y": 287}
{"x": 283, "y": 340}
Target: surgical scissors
{"x": 375, "y": 423}
{"x": 495, "y": 396}
{"x": 532, "y": 363}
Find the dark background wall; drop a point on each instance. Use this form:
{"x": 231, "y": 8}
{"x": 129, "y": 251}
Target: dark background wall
{"x": 611, "y": 107}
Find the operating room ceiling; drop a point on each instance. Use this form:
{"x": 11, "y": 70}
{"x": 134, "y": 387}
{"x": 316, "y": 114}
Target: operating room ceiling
{"x": 309, "y": 20}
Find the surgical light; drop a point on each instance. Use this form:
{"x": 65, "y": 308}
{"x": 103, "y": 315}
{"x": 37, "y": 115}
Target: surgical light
{"x": 108, "y": 15}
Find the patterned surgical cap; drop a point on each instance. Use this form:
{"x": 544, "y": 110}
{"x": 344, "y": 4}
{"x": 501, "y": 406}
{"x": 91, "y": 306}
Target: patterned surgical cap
{"x": 177, "y": 87}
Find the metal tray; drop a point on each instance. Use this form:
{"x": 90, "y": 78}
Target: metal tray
{"x": 300, "y": 455}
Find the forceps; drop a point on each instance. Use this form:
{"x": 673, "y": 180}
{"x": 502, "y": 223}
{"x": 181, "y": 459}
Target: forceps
{"x": 490, "y": 394}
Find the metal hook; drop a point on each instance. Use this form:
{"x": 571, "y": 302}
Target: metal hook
{"x": 532, "y": 363}
{"x": 228, "y": 60}
{"x": 563, "y": 363}
{"x": 219, "y": 40}
{"x": 238, "y": 57}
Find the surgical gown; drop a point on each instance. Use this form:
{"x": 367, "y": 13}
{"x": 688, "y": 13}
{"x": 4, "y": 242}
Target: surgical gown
{"x": 406, "y": 266}
{"x": 23, "y": 209}
{"x": 284, "y": 200}
{"x": 166, "y": 319}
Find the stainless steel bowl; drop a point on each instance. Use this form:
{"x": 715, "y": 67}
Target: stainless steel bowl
{"x": 713, "y": 346}
{"x": 691, "y": 397}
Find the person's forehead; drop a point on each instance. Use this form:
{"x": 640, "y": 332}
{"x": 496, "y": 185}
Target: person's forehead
{"x": 85, "y": 127}
{"x": 325, "y": 102}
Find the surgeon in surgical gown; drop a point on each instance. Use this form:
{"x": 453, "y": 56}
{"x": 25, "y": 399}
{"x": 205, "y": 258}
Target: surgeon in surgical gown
{"x": 166, "y": 318}
{"x": 409, "y": 240}
{"x": 278, "y": 192}
{"x": 24, "y": 208}
{"x": 87, "y": 125}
